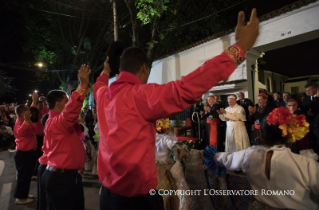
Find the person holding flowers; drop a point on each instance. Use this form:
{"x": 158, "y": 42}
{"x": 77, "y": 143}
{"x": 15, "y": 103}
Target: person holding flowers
{"x": 272, "y": 167}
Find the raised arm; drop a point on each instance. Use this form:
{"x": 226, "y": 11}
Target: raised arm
{"x": 35, "y": 99}
{"x": 236, "y": 160}
{"x": 103, "y": 80}
{"x": 177, "y": 96}
{"x": 72, "y": 109}
{"x": 25, "y": 127}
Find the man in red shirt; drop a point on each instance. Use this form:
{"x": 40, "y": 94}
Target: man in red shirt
{"x": 63, "y": 147}
{"x": 128, "y": 109}
{"x": 24, "y": 157}
{"x": 39, "y": 129}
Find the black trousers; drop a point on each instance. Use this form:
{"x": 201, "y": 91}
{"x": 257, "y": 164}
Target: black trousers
{"x": 64, "y": 190}
{"x": 248, "y": 129}
{"x": 221, "y": 136}
{"x": 38, "y": 153}
{"x": 111, "y": 201}
{"x": 313, "y": 141}
{"x": 43, "y": 202}
{"x": 25, "y": 163}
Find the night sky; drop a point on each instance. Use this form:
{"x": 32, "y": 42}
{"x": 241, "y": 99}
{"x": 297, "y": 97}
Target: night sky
{"x": 11, "y": 51}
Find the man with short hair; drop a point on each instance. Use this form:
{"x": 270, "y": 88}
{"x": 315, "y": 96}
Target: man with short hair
{"x": 212, "y": 118}
{"x": 277, "y": 99}
{"x": 127, "y": 111}
{"x": 301, "y": 144}
{"x": 310, "y": 106}
{"x": 65, "y": 154}
{"x": 236, "y": 134}
{"x": 37, "y": 103}
{"x": 245, "y": 103}
{"x": 257, "y": 113}
{"x": 285, "y": 97}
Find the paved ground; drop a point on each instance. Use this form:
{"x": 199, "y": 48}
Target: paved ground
{"x": 8, "y": 183}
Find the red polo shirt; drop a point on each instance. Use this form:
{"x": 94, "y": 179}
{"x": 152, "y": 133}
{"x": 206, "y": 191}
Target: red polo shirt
{"x": 25, "y": 135}
{"x": 127, "y": 111}
{"x": 62, "y": 144}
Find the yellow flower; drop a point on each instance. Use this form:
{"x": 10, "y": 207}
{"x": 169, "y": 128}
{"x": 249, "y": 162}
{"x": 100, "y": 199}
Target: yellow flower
{"x": 166, "y": 123}
{"x": 162, "y": 124}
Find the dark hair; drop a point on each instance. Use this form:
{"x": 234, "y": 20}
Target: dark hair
{"x": 20, "y": 108}
{"x": 1, "y": 123}
{"x": 279, "y": 93}
{"x": 44, "y": 119}
{"x": 311, "y": 84}
{"x": 271, "y": 134}
{"x": 54, "y": 96}
{"x": 132, "y": 59}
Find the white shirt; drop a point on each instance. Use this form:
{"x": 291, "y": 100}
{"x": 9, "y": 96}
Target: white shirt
{"x": 288, "y": 171}
{"x": 164, "y": 145}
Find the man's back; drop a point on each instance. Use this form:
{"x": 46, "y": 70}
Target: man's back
{"x": 127, "y": 111}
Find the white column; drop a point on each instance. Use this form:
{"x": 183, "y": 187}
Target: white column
{"x": 251, "y": 59}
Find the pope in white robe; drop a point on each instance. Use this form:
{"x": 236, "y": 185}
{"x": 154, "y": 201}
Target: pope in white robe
{"x": 236, "y": 134}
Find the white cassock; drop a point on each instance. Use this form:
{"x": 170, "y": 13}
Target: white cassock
{"x": 288, "y": 172}
{"x": 236, "y": 134}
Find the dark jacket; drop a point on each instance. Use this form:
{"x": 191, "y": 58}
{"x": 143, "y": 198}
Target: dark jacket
{"x": 265, "y": 111}
{"x": 245, "y": 104}
{"x": 280, "y": 102}
{"x": 213, "y": 111}
{"x": 310, "y": 107}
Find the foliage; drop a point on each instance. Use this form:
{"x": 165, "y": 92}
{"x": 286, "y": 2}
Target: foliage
{"x": 149, "y": 9}
{"x": 172, "y": 24}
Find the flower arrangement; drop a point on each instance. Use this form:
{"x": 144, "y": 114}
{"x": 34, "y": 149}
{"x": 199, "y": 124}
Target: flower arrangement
{"x": 294, "y": 127}
{"x": 162, "y": 125}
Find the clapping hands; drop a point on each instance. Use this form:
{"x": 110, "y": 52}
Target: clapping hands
{"x": 251, "y": 109}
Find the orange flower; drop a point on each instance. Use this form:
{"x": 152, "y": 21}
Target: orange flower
{"x": 293, "y": 126}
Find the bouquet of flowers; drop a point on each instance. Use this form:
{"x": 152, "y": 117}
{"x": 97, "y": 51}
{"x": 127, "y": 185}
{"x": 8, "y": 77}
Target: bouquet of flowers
{"x": 294, "y": 127}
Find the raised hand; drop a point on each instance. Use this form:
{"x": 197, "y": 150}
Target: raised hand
{"x": 246, "y": 35}
{"x": 35, "y": 96}
{"x": 84, "y": 75}
{"x": 106, "y": 69}
{"x": 222, "y": 111}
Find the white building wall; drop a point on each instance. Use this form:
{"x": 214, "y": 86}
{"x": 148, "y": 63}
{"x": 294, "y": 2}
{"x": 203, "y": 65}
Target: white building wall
{"x": 287, "y": 29}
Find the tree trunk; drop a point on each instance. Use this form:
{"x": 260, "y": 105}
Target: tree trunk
{"x": 135, "y": 24}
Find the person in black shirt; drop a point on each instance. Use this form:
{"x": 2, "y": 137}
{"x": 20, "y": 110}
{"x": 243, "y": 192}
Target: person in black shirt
{"x": 245, "y": 103}
{"x": 214, "y": 122}
{"x": 257, "y": 113}
{"x": 278, "y": 100}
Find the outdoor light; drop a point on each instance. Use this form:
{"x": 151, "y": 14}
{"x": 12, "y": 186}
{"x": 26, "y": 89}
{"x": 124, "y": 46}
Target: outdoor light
{"x": 40, "y": 64}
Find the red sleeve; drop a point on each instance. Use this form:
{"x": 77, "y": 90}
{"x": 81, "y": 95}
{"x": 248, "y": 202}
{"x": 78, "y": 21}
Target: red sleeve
{"x": 71, "y": 111}
{"x": 102, "y": 81}
{"x": 157, "y": 101}
{"x": 23, "y": 129}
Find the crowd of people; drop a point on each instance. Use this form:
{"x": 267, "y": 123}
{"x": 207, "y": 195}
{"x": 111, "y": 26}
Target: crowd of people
{"x": 241, "y": 115}
{"x": 51, "y": 136}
